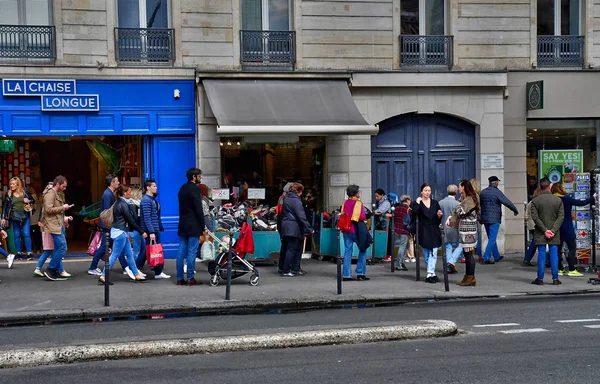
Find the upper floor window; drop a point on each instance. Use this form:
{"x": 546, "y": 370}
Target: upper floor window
{"x": 25, "y": 12}
{"x": 266, "y": 15}
{"x": 423, "y": 17}
{"x": 559, "y": 17}
{"x": 143, "y": 35}
{"x": 143, "y": 13}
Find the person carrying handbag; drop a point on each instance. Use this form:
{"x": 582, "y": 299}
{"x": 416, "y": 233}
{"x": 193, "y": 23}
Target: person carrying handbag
{"x": 16, "y": 210}
{"x": 466, "y": 218}
{"x": 294, "y": 226}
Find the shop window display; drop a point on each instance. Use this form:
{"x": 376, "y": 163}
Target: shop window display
{"x": 85, "y": 161}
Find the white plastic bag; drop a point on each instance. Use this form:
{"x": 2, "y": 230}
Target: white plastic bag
{"x": 207, "y": 252}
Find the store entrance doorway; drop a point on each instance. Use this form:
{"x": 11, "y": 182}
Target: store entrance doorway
{"x": 412, "y": 149}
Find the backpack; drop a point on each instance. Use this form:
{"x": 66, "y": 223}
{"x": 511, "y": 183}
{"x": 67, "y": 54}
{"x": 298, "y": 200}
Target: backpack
{"x": 107, "y": 216}
{"x": 409, "y": 223}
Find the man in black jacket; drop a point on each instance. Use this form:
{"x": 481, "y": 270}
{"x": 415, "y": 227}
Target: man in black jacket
{"x": 191, "y": 225}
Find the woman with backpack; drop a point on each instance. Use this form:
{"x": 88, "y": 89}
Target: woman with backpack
{"x": 352, "y": 224}
{"x": 430, "y": 215}
{"x": 401, "y": 221}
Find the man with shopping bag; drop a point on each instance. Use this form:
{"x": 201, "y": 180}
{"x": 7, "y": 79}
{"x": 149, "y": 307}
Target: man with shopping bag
{"x": 191, "y": 226}
{"x": 151, "y": 224}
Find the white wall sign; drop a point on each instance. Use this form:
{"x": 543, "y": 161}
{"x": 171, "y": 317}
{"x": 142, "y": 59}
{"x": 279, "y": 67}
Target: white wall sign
{"x": 211, "y": 181}
{"x": 220, "y": 194}
{"x": 492, "y": 161}
{"x": 256, "y": 193}
{"x": 338, "y": 179}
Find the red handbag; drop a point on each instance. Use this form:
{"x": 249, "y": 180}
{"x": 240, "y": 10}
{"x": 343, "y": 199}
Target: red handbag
{"x": 155, "y": 255}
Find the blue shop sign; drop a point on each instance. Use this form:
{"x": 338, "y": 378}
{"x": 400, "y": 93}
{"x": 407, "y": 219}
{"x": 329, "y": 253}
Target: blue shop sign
{"x": 56, "y": 95}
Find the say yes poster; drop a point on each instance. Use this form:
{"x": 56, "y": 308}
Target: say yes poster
{"x": 555, "y": 163}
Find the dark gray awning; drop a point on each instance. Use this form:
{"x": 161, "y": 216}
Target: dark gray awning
{"x": 293, "y": 107}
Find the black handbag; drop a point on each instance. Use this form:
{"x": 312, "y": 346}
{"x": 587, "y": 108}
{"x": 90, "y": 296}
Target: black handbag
{"x": 19, "y": 217}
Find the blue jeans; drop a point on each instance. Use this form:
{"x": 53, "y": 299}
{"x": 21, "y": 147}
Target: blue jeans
{"x": 188, "y": 249}
{"x": 22, "y": 230}
{"x": 492, "y": 246}
{"x": 122, "y": 247}
{"x": 361, "y": 264}
{"x": 531, "y": 249}
{"x": 542, "y": 261}
{"x": 102, "y": 249}
{"x": 3, "y": 252}
{"x": 452, "y": 257}
{"x": 136, "y": 246}
{"x": 430, "y": 256}
{"x": 479, "y": 240}
{"x": 60, "y": 250}
{"x": 402, "y": 244}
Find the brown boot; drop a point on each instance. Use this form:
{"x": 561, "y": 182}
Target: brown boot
{"x": 468, "y": 282}
{"x": 462, "y": 281}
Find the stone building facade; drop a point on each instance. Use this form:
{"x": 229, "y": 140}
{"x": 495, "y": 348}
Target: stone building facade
{"x": 445, "y": 86}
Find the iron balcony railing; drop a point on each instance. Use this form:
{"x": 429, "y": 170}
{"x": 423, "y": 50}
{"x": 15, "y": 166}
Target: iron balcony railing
{"x": 27, "y": 42}
{"x": 144, "y": 45}
{"x": 270, "y": 48}
{"x": 426, "y": 51}
{"x": 560, "y": 51}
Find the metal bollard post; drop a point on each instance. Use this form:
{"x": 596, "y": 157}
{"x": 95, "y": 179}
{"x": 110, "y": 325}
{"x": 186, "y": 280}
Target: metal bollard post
{"x": 339, "y": 265}
{"x": 445, "y": 262}
{"x": 229, "y": 266}
{"x": 525, "y": 231}
{"x": 416, "y": 251}
{"x": 107, "y": 270}
{"x": 393, "y": 240}
{"x": 594, "y": 238}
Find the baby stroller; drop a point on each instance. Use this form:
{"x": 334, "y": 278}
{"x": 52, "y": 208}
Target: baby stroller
{"x": 218, "y": 267}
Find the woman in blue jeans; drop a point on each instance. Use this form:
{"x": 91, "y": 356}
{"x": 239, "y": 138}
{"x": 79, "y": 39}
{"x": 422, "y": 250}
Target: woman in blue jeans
{"x": 123, "y": 223}
{"x": 354, "y": 207}
{"x": 430, "y": 236}
{"x": 16, "y": 209}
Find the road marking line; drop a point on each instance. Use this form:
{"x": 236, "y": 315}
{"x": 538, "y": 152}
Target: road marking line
{"x": 577, "y": 321}
{"x": 530, "y": 330}
{"x": 496, "y": 325}
{"x": 592, "y": 326}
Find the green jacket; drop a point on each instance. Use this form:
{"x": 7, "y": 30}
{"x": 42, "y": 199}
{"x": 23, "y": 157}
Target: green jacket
{"x": 547, "y": 212}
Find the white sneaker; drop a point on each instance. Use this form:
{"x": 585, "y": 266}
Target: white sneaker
{"x": 162, "y": 276}
{"x": 129, "y": 273}
{"x": 11, "y": 259}
{"x": 184, "y": 268}
{"x": 142, "y": 274}
{"x": 94, "y": 272}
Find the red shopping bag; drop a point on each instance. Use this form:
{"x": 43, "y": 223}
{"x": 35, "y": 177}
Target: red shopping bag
{"x": 94, "y": 244}
{"x": 155, "y": 255}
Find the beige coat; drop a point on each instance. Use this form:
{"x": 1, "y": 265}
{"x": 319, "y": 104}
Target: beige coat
{"x": 53, "y": 215}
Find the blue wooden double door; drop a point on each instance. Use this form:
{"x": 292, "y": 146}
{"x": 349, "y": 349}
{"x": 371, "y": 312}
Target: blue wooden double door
{"x": 166, "y": 160}
{"x": 412, "y": 149}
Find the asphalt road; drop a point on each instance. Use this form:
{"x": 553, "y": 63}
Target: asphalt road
{"x": 519, "y": 341}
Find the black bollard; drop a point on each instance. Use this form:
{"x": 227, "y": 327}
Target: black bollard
{"x": 339, "y": 264}
{"x": 445, "y": 264}
{"x": 229, "y": 266}
{"x": 593, "y": 216}
{"x": 525, "y": 231}
{"x": 107, "y": 270}
{"x": 416, "y": 250}
{"x": 393, "y": 240}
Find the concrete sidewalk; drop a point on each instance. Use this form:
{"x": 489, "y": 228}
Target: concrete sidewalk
{"x": 28, "y": 299}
